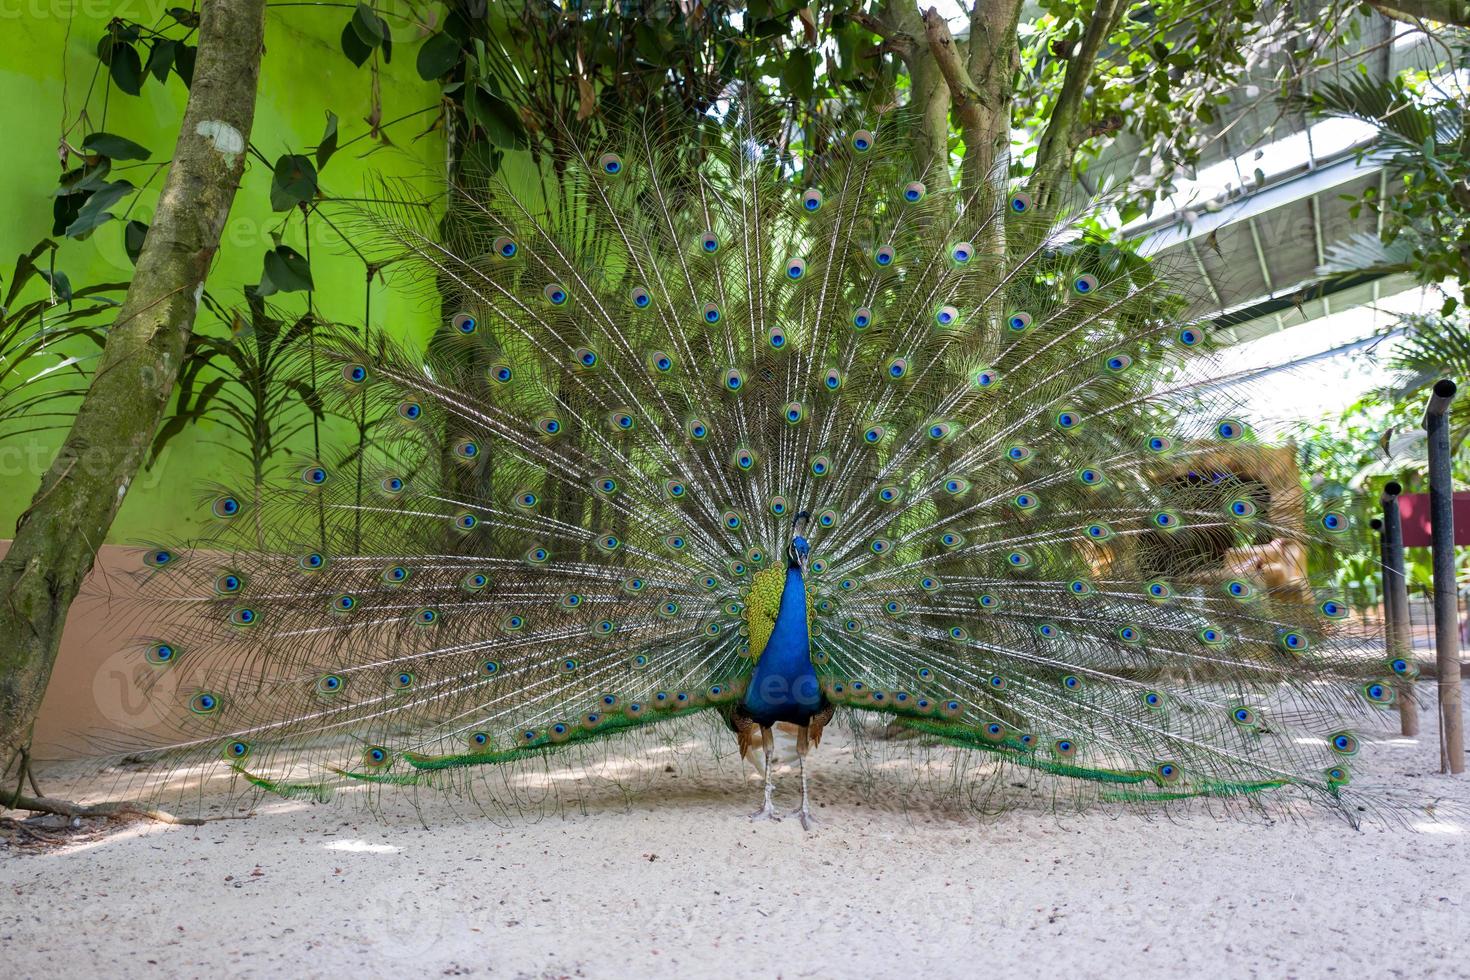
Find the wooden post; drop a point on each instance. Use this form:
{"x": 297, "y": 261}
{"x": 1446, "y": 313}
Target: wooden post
{"x": 1446, "y": 593}
{"x": 1396, "y": 605}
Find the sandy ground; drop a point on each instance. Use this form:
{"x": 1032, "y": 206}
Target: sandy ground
{"x": 676, "y": 881}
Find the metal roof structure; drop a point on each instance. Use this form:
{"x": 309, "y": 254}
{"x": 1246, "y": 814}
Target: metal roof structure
{"x": 1260, "y": 217}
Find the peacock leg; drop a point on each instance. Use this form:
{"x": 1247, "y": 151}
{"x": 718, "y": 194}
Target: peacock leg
{"x": 803, "y": 745}
{"x": 768, "y": 743}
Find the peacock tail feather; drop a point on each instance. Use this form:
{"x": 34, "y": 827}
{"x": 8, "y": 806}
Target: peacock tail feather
{"x": 1043, "y": 527}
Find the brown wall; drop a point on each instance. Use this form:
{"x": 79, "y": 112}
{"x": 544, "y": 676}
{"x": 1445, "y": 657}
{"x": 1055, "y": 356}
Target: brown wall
{"x": 92, "y": 690}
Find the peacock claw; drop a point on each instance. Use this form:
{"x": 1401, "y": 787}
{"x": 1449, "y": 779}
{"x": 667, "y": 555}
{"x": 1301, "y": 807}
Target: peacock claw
{"x": 808, "y": 822}
{"x": 767, "y": 812}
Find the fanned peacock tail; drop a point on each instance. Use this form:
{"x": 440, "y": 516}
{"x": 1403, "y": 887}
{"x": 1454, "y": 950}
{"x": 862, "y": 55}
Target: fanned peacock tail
{"x": 1040, "y": 528}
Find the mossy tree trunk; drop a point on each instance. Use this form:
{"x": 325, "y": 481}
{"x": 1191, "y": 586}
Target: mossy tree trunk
{"x": 56, "y": 539}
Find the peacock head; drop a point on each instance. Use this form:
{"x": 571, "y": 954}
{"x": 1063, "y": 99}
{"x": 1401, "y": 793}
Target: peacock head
{"x": 799, "y": 549}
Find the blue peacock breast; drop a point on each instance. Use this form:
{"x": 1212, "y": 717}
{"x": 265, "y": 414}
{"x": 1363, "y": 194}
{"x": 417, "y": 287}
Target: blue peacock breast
{"x": 784, "y": 686}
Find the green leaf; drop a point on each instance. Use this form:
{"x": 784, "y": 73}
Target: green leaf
{"x": 161, "y": 58}
{"x": 114, "y": 147}
{"x": 286, "y": 271}
{"x": 184, "y": 63}
{"x": 184, "y": 17}
{"x": 438, "y": 56}
{"x": 94, "y": 212}
{"x": 353, "y": 47}
{"x": 498, "y": 118}
{"x": 133, "y": 235}
{"x": 328, "y": 144}
{"x": 64, "y": 211}
{"x": 126, "y": 68}
{"x": 369, "y": 26}
{"x": 293, "y": 183}
{"x": 59, "y": 283}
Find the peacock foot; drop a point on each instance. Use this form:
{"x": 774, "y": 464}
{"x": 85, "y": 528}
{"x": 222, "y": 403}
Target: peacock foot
{"x": 767, "y": 812}
{"x": 808, "y": 822}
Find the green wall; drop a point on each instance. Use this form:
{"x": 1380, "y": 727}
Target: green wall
{"x": 49, "y": 62}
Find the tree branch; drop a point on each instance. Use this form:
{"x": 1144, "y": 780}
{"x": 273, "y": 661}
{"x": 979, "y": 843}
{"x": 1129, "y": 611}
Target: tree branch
{"x": 111, "y": 811}
{"x": 1061, "y": 138}
{"x": 1455, "y": 12}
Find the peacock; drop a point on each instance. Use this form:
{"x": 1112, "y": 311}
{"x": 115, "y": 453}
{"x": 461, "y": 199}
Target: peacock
{"x": 770, "y": 428}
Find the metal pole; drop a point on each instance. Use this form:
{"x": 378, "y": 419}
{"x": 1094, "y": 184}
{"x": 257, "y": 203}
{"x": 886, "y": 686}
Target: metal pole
{"x": 1396, "y": 604}
{"x": 1446, "y": 599}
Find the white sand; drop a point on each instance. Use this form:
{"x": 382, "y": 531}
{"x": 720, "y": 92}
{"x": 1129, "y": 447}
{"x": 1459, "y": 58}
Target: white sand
{"x": 679, "y": 882}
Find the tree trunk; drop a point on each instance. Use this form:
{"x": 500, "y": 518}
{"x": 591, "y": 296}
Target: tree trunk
{"x": 57, "y": 538}
{"x": 1062, "y": 136}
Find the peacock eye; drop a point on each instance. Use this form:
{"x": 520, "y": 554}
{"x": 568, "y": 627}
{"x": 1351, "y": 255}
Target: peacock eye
{"x": 811, "y": 201}
{"x": 914, "y": 191}
{"x": 610, "y": 164}
{"x": 1020, "y": 202}
{"x": 795, "y": 268}
{"x": 863, "y": 140}
{"x": 464, "y": 323}
{"x": 504, "y": 247}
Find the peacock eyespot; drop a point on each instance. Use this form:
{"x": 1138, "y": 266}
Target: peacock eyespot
{"x": 863, "y": 140}
{"x": 610, "y": 164}
{"x": 464, "y": 323}
{"x": 1019, "y": 321}
{"x": 811, "y": 200}
{"x": 506, "y": 248}
{"x": 225, "y": 507}
{"x": 1020, "y": 202}
{"x": 330, "y": 684}
{"x": 914, "y": 191}
{"x": 161, "y": 654}
{"x": 884, "y": 255}
{"x": 204, "y": 703}
{"x": 354, "y": 373}
{"x": 947, "y": 316}
{"x": 158, "y": 558}
{"x": 1084, "y": 284}
{"x": 556, "y": 294}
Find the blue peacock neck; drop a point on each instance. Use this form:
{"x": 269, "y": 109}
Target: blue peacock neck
{"x": 784, "y": 686}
